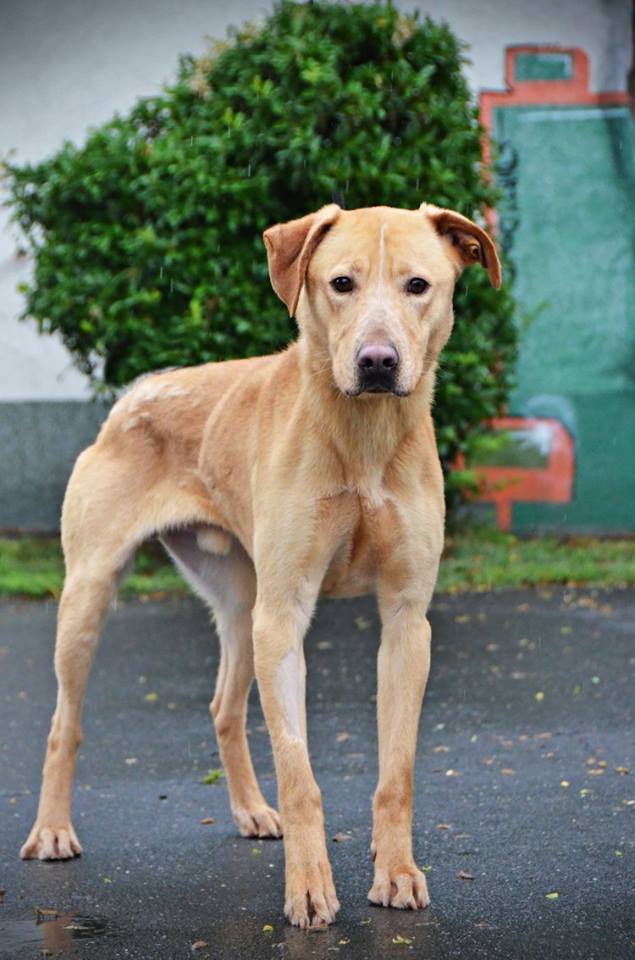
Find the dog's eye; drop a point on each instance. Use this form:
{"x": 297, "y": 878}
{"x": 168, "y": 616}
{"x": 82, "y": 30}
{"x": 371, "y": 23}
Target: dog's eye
{"x": 417, "y": 286}
{"x": 342, "y": 284}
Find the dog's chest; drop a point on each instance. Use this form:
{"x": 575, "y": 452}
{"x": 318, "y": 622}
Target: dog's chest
{"x": 366, "y": 545}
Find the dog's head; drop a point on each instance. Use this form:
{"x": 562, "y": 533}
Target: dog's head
{"x": 372, "y": 288}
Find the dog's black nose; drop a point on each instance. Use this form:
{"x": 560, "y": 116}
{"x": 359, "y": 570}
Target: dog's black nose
{"x": 377, "y": 364}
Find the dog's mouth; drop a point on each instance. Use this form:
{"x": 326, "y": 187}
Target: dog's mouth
{"x": 376, "y": 389}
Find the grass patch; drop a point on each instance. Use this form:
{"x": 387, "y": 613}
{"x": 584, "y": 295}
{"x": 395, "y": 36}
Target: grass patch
{"x": 477, "y": 559}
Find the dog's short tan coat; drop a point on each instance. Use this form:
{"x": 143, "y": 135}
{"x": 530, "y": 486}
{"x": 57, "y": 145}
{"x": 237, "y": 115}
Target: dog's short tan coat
{"x": 271, "y": 481}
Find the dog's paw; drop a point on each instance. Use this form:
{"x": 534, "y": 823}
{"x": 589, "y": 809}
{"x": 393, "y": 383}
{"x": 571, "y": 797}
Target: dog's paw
{"x": 51, "y": 843}
{"x": 257, "y": 821}
{"x": 310, "y": 899}
{"x": 402, "y": 886}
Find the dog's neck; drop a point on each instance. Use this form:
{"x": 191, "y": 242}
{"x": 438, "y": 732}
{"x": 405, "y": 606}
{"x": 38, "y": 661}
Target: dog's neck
{"x": 368, "y": 430}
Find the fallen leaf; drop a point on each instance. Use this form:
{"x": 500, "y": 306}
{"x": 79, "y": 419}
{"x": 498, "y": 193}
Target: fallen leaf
{"x": 198, "y": 945}
{"x": 255, "y": 851}
{"x": 566, "y": 630}
{"x": 440, "y": 749}
{"x": 341, "y": 837}
{"x": 508, "y": 772}
{"x": 595, "y": 771}
{"x": 577, "y": 690}
{"x": 207, "y": 820}
{"x": 595, "y": 680}
{"x": 106, "y": 880}
{"x": 362, "y": 623}
{"x": 212, "y": 776}
{"x": 425, "y": 869}
{"x": 404, "y": 941}
{"x": 462, "y": 875}
{"x": 342, "y": 737}
{"x": 453, "y": 773}
{"x": 151, "y": 697}
{"x": 552, "y": 896}
{"x": 564, "y": 783}
{"x": 462, "y": 618}
{"x": 585, "y": 792}
{"x": 624, "y": 771}
{"x": 344, "y": 941}
{"x": 539, "y": 696}
{"x": 443, "y": 826}
{"x": 131, "y": 761}
{"x": 267, "y": 929}
{"x": 618, "y": 853}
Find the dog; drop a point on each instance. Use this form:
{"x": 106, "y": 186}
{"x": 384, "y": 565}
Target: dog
{"x": 272, "y": 481}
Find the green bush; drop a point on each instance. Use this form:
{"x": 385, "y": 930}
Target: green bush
{"x": 147, "y": 239}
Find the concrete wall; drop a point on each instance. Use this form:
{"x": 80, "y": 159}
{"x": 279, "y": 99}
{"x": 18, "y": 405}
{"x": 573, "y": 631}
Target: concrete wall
{"x": 67, "y": 65}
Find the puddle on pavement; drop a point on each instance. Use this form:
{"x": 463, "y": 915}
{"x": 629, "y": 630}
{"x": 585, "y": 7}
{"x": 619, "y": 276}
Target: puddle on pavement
{"x": 54, "y": 935}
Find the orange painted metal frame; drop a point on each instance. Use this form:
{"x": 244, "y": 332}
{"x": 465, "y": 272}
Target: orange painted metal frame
{"x": 553, "y": 93}
{"x": 502, "y": 485}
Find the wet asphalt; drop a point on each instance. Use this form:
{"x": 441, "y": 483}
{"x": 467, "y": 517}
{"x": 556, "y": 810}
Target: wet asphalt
{"x": 524, "y": 809}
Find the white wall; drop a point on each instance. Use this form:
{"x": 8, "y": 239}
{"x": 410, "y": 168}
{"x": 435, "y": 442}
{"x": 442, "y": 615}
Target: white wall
{"x": 70, "y": 64}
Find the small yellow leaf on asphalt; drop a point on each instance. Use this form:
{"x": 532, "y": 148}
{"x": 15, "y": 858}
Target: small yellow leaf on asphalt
{"x": 453, "y": 773}
{"x": 618, "y": 853}
{"x": 425, "y": 869}
{"x": 595, "y": 771}
{"x": 404, "y": 941}
{"x": 566, "y": 630}
{"x": 584, "y": 792}
{"x": 130, "y": 761}
{"x": 255, "y": 851}
{"x": 624, "y": 771}
{"x": 552, "y": 896}
{"x": 564, "y": 783}
{"x": 151, "y": 697}
{"x": 212, "y": 776}
{"x": 539, "y": 696}
{"x": 207, "y": 820}
{"x": 267, "y": 929}
{"x": 344, "y": 941}
{"x": 508, "y": 771}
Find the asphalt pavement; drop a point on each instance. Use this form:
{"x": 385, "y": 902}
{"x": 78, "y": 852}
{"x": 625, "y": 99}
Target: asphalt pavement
{"x": 524, "y": 795}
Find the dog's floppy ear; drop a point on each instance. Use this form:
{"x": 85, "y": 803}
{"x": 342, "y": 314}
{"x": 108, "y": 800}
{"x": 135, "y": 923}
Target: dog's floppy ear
{"x": 290, "y": 247}
{"x": 469, "y": 242}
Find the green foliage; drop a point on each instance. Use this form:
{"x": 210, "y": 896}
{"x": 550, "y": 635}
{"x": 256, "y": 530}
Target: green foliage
{"x": 147, "y": 238}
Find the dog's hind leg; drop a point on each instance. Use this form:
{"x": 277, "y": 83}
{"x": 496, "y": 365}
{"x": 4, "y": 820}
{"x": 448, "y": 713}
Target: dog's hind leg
{"x": 97, "y": 544}
{"x": 223, "y": 575}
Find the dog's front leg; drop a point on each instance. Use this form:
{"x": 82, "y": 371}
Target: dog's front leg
{"x": 279, "y": 629}
{"x": 402, "y": 672}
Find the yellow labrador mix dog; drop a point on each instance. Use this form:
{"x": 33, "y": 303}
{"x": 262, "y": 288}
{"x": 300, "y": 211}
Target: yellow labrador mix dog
{"x": 271, "y": 481}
